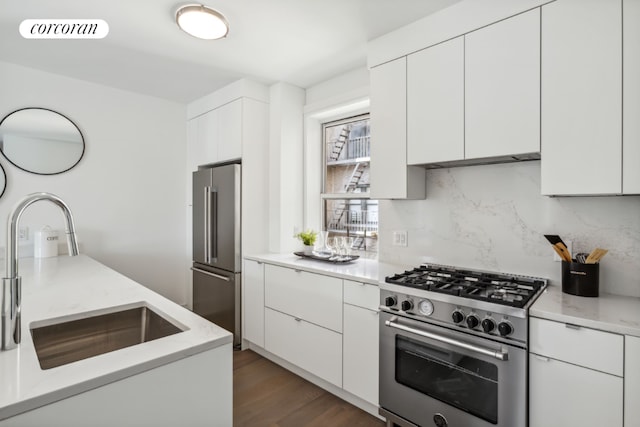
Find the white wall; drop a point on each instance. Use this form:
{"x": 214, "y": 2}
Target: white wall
{"x": 285, "y": 166}
{"x": 493, "y": 217}
{"x": 127, "y": 193}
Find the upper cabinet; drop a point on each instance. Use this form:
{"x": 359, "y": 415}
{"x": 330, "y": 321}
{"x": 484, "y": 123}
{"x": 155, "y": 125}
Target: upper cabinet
{"x": 390, "y": 176}
{"x": 502, "y": 88}
{"x": 435, "y": 103}
{"x": 217, "y": 134}
{"x": 631, "y": 97}
{"x": 477, "y": 97}
{"x": 582, "y": 97}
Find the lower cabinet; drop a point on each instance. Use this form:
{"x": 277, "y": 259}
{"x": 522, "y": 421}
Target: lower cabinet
{"x": 562, "y": 394}
{"x": 253, "y": 302}
{"x": 631, "y": 381}
{"x": 312, "y": 348}
{"x": 575, "y": 376}
{"x": 361, "y": 353}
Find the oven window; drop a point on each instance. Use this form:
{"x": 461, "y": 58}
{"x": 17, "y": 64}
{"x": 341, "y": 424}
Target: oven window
{"x": 456, "y": 379}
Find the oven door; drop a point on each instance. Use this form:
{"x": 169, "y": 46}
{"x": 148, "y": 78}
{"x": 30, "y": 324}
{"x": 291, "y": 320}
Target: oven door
{"x": 434, "y": 376}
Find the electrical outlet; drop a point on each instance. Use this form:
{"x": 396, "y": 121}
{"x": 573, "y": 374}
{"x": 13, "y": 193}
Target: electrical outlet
{"x": 569, "y": 244}
{"x": 23, "y": 233}
{"x": 400, "y": 238}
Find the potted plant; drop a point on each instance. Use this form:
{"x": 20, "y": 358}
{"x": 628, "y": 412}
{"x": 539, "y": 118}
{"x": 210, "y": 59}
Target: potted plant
{"x": 308, "y": 240}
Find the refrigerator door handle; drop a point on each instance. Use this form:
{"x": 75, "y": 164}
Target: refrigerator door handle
{"x": 213, "y": 240}
{"x": 217, "y": 276}
{"x": 207, "y": 225}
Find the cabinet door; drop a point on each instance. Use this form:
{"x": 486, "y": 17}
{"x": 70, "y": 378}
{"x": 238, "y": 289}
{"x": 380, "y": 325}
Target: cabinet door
{"x": 632, "y": 382}
{"x": 312, "y": 297}
{"x": 207, "y": 138}
{"x": 230, "y": 131}
{"x": 253, "y": 302}
{"x": 562, "y": 394}
{"x": 360, "y": 358}
{"x": 390, "y": 176}
{"x": 502, "y": 88}
{"x": 581, "y": 97}
{"x": 435, "y": 103}
{"x": 312, "y": 348}
{"x": 631, "y": 98}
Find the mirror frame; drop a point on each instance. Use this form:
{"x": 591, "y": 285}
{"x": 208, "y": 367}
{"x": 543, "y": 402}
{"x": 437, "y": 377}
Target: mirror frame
{"x": 4, "y": 187}
{"x": 84, "y": 145}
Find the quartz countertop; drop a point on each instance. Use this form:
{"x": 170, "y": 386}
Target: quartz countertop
{"x": 360, "y": 270}
{"x": 62, "y": 287}
{"x": 612, "y": 313}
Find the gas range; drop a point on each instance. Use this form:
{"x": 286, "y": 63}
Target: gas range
{"x": 489, "y": 304}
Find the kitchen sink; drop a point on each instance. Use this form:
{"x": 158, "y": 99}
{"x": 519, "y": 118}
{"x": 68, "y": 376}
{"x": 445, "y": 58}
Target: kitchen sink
{"x": 69, "y": 341}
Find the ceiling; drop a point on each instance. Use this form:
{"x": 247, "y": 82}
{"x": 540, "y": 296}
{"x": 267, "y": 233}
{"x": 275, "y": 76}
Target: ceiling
{"x": 302, "y": 42}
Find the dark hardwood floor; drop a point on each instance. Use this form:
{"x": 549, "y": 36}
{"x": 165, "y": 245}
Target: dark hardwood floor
{"x": 267, "y": 395}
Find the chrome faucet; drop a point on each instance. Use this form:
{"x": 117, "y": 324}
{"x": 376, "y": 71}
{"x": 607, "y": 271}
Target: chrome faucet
{"x": 12, "y": 283}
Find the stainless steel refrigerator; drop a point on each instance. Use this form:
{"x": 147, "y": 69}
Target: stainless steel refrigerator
{"x": 216, "y": 246}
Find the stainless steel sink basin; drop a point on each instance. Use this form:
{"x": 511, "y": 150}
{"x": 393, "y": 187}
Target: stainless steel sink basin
{"x": 69, "y": 341}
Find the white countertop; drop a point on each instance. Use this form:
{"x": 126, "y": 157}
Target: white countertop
{"x": 607, "y": 312}
{"x": 361, "y": 270}
{"x": 612, "y": 313}
{"x": 67, "y": 286}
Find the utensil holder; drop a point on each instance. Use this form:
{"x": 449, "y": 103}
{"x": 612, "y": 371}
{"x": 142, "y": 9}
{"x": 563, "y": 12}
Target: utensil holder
{"x": 580, "y": 279}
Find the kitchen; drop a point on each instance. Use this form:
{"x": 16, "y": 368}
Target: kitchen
{"x": 485, "y": 217}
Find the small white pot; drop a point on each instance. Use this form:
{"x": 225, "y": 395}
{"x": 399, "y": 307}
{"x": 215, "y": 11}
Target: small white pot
{"x": 308, "y": 249}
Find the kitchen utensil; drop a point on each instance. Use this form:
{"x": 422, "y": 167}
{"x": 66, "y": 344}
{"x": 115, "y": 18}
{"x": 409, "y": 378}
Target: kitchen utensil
{"x": 581, "y": 258}
{"x": 559, "y": 246}
{"x": 596, "y": 255}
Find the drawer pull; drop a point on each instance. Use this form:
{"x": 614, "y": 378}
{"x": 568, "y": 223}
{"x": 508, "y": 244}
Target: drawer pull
{"x": 297, "y": 270}
{"x": 297, "y": 319}
{"x": 572, "y": 326}
{"x": 542, "y": 358}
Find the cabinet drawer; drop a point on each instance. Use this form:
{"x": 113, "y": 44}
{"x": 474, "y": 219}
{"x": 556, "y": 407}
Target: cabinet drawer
{"x": 602, "y": 351}
{"x": 312, "y": 297}
{"x": 562, "y": 394}
{"x": 362, "y": 295}
{"x": 312, "y": 348}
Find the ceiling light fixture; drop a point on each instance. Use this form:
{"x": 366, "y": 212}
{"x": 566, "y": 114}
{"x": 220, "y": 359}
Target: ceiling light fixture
{"x": 202, "y": 22}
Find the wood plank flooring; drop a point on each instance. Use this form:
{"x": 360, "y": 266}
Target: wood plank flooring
{"x": 267, "y": 395}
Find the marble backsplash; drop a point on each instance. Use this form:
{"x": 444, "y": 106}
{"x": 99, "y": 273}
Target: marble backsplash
{"x": 492, "y": 217}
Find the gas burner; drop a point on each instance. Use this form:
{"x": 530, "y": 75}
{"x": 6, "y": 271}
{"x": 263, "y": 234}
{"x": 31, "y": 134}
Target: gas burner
{"x": 504, "y": 289}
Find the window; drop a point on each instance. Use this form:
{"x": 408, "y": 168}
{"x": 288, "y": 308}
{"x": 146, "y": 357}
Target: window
{"x": 347, "y": 209}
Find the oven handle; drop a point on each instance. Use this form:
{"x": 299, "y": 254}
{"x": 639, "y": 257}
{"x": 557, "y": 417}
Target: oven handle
{"x": 500, "y": 355}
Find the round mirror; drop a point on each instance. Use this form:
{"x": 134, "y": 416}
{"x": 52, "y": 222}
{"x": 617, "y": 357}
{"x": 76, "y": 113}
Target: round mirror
{"x": 41, "y": 141}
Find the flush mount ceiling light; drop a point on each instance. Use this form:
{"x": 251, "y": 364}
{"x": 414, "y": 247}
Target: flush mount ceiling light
{"x": 202, "y": 22}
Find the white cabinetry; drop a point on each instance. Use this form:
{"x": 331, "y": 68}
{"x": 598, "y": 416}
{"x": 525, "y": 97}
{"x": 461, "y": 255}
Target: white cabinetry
{"x": 390, "y": 176}
{"x": 631, "y": 381}
{"x": 435, "y": 103}
{"x": 253, "y": 302}
{"x": 216, "y": 135}
{"x": 631, "y": 98}
{"x": 581, "y": 97}
{"x": 303, "y": 320}
{"x": 575, "y": 376}
{"x": 360, "y": 340}
{"x": 502, "y": 88}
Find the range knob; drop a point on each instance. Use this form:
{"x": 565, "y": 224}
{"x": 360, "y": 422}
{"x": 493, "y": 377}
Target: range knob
{"x": 390, "y": 301}
{"x": 488, "y": 325}
{"x": 505, "y": 328}
{"x": 457, "y": 316}
{"x": 406, "y": 305}
{"x": 472, "y": 321}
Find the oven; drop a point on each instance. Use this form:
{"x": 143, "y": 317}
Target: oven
{"x": 435, "y": 375}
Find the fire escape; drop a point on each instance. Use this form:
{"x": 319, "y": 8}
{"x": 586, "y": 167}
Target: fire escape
{"x": 359, "y": 162}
